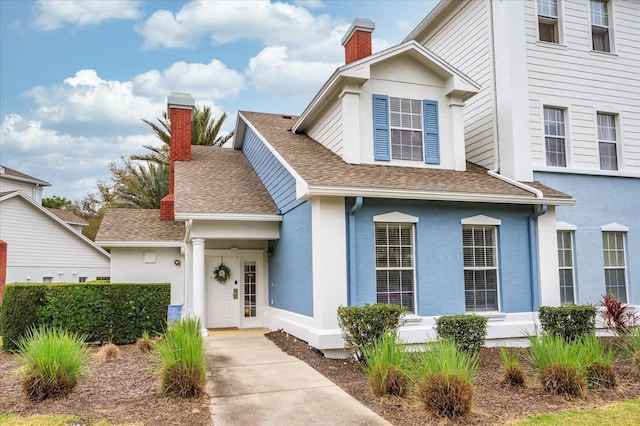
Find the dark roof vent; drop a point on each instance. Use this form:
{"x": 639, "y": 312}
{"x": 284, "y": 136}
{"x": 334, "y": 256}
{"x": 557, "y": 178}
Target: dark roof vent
{"x": 286, "y": 117}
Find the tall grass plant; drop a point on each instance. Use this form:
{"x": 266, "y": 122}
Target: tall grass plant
{"x": 386, "y": 365}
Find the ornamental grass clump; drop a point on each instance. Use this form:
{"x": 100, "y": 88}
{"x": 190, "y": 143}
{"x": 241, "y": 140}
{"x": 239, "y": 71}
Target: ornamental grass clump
{"x": 598, "y": 362}
{"x": 385, "y": 363}
{"x": 181, "y": 355}
{"x": 631, "y": 345}
{"x": 109, "y": 352}
{"x": 514, "y": 374}
{"x": 53, "y": 361}
{"x": 446, "y": 376}
{"x": 559, "y": 364}
{"x": 146, "y": 343}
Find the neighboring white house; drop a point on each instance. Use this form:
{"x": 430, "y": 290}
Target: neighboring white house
{"x": 40, "y": 246}
{"x": 560, "y": 104}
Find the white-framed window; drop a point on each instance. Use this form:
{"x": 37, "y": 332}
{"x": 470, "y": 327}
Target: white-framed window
{"x": 480, "y": 254}
{"x": 548, "y": 21}
{"x": 395, "y": 271}
{"x": 82, "y": 279}
{"x": 555, "y": 137}
{"x": 406, "y": 129}
{"x": 614, "y": 264}
{"x": 565, "y": 267}
{"x": 600, "y": 33}
{"x": 607, "y": 141}
{"x": 47, "y": 278}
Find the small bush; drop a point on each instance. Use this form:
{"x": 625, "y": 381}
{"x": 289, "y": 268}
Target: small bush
{"x": 363, "y": 325}
{"x": 514, "y": 374}
{"x": 598, "y": 362}
{"x": 181, "y": 355}
{"x": 468, "y": 331}
{"x": 53, "y": 361}
{"x": 563, "y": 379}
{"x": 146, "y": 344}
{"x": 568, "y": 322}
{"x": 109, "y": 352}
{"x": 446, "y": 376}
{"x": 385, "y": 364}
{"x": 617, "y": 316}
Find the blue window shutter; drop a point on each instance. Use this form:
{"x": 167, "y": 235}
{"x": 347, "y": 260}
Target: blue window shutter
{"x": 431, "y": 133}
{"x": 381, "y": 145}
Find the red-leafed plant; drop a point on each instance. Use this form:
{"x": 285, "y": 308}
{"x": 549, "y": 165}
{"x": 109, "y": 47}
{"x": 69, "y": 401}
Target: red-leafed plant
{"x": 617, "y": 316}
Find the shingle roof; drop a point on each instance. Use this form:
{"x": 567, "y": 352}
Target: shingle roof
{"x": 318, "y": 166}
{"x": 68, "y": 216}
{"x": 138, "y": 225}
{"x": 22, "y": 176}
{"x": 219, "y": 180}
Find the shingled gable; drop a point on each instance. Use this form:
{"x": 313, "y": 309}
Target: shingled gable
{"x": 8, "y": 173}
{"x": 321, "y": 172}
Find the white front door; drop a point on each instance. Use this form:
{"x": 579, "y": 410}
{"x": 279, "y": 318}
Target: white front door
{"x": 223, "y": 300}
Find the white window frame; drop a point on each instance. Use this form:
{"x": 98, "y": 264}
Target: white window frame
{"x": 548, "y": 19}
{"x": 622, "y": 230}
{"x": 564, "y": 136}
{"x": 399, "y": 219}
{"x": 47, "y": 278}
{"x": 483, "y": 222}
{"x": 598, "y": 27}
{"x": 602, "y": 141}
{"x": 400, "y": 128}
{"x": 563, "y": 267}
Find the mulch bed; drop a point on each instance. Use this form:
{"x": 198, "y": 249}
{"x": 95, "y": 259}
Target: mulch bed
{"x": 121, "y": 391}
{"x": 494, "y": 403}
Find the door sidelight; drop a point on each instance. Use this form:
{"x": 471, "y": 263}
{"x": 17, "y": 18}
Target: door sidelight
{"x": 235, "y": 294}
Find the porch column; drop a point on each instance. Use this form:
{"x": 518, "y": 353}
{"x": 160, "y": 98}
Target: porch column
{"x": 198, "y": 280}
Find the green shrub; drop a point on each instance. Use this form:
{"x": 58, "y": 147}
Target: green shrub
{"x": 467, "y": 331}
{"x": 569, "y": 322}
{"x": 363, "y": 325}
{"x": 386, "y": 364}
{"x": 53, "y": 360}
{"x": 514, "y": 374}
{"x": 114, "y": 313}
{"x": 560, "y": 365}
{"x": 446, "y": 376}
{"x": 181, "y": 354}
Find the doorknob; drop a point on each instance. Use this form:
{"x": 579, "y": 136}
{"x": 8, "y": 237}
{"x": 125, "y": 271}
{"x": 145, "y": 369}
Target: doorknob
{"x": 235, "y": 294}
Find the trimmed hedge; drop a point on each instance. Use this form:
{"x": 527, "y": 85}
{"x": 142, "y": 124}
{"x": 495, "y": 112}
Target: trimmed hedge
{"x": 467, "y": 331}
{"x": 569, "y": 322}
{"x": 363, "y": 325}
{"x": 115, "y": 313}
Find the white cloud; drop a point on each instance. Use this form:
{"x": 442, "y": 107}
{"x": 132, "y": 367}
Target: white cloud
{"x": 311, "y": 4}
{"x": 72, "y": 164}
{"x": 273, "y": 72}
{"x": 52, "y": 14}
{"x": 204, "y": 81}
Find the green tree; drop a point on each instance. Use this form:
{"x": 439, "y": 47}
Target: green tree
{"x": 205, "y": 130}
{"x": 56, "y": 202}
{"x": 139, "y": 186}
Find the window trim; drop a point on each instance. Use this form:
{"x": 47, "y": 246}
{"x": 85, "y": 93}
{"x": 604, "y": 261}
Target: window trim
{"x": 557, "y": 21}
{"x": 616, "y": 142}
{"x": 618, "y": 229}
{"x": 412, "y": 224}
{"x": 485, "y": 221}
{"x": 609, "y": 28}
{"x": 572, "y": 267}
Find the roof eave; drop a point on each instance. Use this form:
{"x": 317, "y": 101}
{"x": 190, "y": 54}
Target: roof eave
{"x": 133, "y": 244}
{"x": 442, "y": 9}
{"x": 433, "y": 195}
{"x": 236, "y": 217}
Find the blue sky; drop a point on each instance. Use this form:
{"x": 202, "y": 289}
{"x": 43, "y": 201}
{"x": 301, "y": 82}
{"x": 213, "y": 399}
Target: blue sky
{"x": 77, "y": 77}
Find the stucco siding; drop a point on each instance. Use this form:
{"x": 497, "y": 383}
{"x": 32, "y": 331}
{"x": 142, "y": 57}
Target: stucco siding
{"x": 290, "y": 264}
{"x": 38, "y": 245}
{"x": 464, "y": 41}
{"x": 571, "y": 76}
{"x": 438, "y": 253}
{"x": 328, "y": 129}
{"x": 600, "y": 200}
{"x": 274, "y": 176}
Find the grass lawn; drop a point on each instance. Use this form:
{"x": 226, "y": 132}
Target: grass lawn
{"x": 51, "y": 420}
{"x": 619, "y": 414}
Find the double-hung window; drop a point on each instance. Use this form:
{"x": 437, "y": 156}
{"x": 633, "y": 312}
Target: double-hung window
{"x": 480, "y": 254}
{"x": 600, "y": 25}
{"x": 614, "y": 264}
{"x": 548, "y": 18}
{"x": 554, "y": 137}
{"x": 405, "y": 129}
{"x": 607, "y": 145}
{"x": 565, "y": 264}
{"x": 395, "y": 264}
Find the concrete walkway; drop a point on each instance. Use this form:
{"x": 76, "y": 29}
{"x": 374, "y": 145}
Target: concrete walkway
{"x": 252, "y": 382}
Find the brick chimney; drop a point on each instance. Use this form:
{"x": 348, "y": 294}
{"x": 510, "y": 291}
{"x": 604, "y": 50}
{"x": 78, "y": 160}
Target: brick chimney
{"x": 180, "y": 107}
{"x": 357, "y": 40}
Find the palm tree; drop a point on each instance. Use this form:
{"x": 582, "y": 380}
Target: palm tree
{"x": 204, "y": 131}
{"x": 139, "y": 186}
